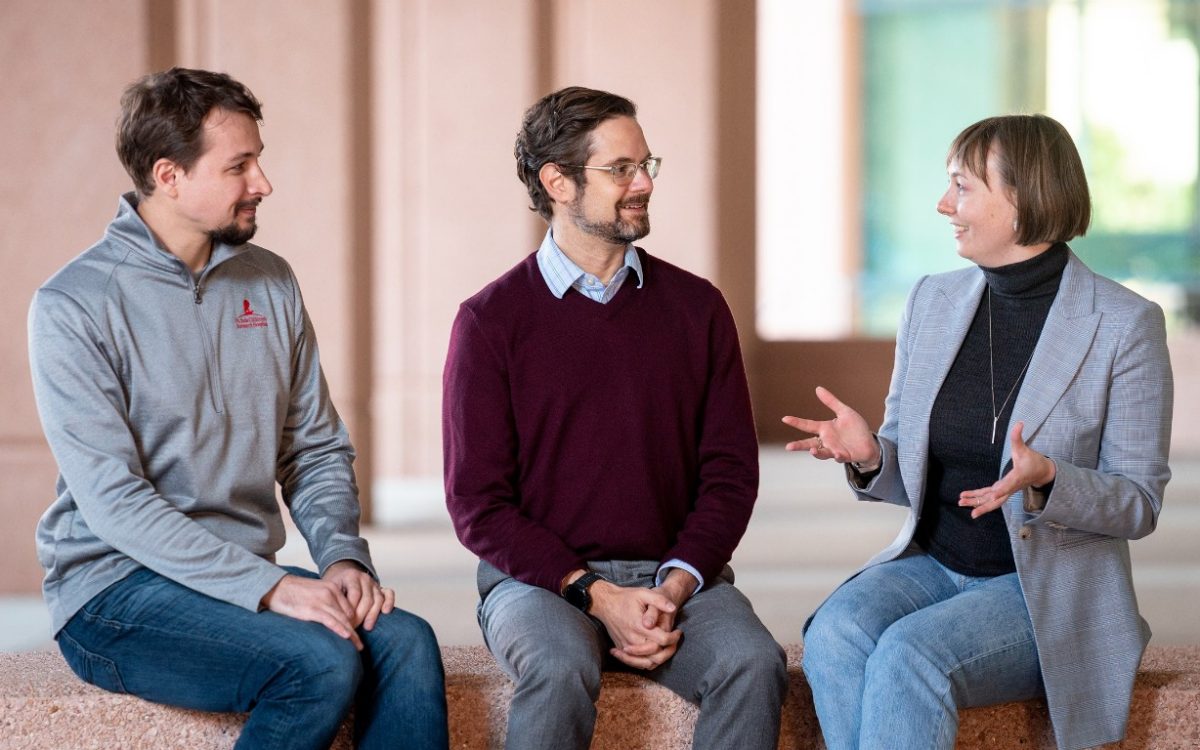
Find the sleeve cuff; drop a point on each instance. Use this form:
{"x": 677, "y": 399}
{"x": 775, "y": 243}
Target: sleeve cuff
{"x": 256, "y": 593}
{"x": 1037, "y": 497}
{"x": 361, "y": 557}
{"x": 862, "y": 479}
{"x": 675, "y": 562}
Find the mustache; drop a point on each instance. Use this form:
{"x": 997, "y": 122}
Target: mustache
{"x": 643, "y": 199}
{"x": 253, "y": 203}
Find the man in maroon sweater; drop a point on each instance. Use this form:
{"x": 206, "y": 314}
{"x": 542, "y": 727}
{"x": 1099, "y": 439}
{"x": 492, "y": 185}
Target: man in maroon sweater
{"x": 600, "y": 453}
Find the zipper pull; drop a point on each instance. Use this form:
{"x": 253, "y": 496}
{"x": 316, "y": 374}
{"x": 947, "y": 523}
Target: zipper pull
{"x": 196, "y": 292}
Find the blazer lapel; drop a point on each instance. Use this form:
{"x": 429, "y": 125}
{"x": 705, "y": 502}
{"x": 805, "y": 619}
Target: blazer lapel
{"x": 1066, "y": 339}
{"x": 944, "y": 326}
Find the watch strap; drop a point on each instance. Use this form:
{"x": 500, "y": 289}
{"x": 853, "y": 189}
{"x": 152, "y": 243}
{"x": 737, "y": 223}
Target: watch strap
{"x": 577, "y": 591}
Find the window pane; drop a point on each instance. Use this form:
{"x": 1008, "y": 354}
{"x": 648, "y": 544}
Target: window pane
{"x": 805, "y": 276}
{"x": 932, "y": 67}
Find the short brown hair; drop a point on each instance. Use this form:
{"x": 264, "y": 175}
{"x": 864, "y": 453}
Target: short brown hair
{"x": 558, "y": 130}
{"x": 1038, "y": 161}
{"x": 162, "y": 117}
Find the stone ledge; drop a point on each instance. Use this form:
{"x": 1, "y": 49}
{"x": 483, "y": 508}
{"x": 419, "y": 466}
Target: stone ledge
{"x": 44, "y": 705}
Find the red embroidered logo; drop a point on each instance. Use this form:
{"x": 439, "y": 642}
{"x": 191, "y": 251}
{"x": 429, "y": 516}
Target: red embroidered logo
{"x": 249, "y": 318}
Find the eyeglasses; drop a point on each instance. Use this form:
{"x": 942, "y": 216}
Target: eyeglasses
{"x": 624, "y": 172}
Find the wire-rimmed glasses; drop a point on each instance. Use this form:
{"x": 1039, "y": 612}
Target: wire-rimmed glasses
{"x": 624, "y": 172}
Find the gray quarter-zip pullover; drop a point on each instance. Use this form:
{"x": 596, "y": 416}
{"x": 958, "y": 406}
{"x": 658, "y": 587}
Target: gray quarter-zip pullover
{"x": 173, "y": 404}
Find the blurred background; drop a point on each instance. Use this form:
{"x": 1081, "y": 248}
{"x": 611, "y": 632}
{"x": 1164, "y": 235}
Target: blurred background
{"x": 804, "y": 149}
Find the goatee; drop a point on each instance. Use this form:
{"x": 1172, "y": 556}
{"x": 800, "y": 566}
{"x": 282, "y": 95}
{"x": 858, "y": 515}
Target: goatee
{"x": 232, "y": 233}
{"x": 616, "y": 231}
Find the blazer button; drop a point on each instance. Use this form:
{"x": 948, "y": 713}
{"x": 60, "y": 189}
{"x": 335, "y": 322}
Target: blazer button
{"x": 1025, "y": 532}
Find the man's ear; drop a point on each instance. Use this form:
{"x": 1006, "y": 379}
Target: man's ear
{"x": 559, "y": 187}
{"x": 166, "y": 174}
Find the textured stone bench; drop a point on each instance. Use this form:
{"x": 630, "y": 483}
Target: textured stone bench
{"x": 43, "y": 705}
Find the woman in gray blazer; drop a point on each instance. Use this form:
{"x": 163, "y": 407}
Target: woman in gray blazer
{"x": 1026, "y": 430}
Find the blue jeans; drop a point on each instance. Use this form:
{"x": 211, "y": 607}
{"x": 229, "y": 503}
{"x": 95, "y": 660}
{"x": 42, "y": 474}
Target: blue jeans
{"x": 153, "y": 638}
{"x": 895, "y": 652}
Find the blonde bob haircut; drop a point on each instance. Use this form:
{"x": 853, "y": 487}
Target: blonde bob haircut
{"x": 1039, "y": 166}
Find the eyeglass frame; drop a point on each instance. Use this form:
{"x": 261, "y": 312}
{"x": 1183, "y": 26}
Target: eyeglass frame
{"x": 645, "y": 164}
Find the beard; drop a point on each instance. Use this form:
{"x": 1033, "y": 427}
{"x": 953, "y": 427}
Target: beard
{"x": 616, "y": 231}
{"x": 233, "y": 233}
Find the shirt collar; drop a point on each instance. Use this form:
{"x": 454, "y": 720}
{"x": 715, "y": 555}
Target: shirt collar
{"x": 560, "y": 272}
{"x": 131, "y": 228}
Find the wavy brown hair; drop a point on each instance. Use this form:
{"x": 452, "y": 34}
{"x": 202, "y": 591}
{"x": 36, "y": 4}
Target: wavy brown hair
{"x": 558, "y": 130}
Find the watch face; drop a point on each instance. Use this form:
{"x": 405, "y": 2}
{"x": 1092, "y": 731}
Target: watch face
{"x": 577, "y": 593}
{"x": 578, "y": 596}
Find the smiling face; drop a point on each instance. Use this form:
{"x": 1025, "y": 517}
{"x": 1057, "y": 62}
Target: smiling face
{"x": 219, "y": 195}
{"x": 982, "y": 214}
{"x": 615, "y": 214}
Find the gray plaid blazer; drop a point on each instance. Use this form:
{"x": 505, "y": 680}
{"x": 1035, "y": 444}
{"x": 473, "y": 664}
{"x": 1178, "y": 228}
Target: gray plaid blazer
{"x": 1097, "y": 400}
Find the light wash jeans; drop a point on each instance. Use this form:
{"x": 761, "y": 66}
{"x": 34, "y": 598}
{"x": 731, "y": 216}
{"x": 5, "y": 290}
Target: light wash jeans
{"x": 895, "y": 652}
{"x": 151, "y": 637}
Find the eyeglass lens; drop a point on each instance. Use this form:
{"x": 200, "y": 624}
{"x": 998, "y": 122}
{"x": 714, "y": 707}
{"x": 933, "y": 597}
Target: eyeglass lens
{"x": 627, "y": 171}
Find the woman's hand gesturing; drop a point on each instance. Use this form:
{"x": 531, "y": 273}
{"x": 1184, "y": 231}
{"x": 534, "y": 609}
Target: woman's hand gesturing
{"x": 846, "y": 438}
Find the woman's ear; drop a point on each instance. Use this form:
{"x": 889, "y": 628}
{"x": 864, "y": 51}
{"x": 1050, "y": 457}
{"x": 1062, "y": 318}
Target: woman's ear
{"x": 1011, "y": 194}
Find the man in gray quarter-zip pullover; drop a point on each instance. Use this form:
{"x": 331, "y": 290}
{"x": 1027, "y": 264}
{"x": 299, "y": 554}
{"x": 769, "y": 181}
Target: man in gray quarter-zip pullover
{"x": 177, "y": 378}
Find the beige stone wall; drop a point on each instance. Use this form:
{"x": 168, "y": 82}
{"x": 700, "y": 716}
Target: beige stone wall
{"x": 448, "y": 212}
{"x": 388, "y": 128}
{"x": 60, "y": 74}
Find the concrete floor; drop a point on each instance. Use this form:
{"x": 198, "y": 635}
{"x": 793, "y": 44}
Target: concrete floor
{"x": 805, "y": 537}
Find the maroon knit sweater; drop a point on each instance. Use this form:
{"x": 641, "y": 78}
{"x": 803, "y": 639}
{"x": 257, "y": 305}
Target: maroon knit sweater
{"x": 576, "y": 431}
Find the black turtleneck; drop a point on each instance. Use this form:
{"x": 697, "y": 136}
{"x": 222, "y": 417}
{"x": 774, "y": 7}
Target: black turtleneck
{"x": 961, "y": 454}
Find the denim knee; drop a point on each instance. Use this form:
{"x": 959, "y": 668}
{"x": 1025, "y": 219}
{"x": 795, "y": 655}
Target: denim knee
{"x": 324, "y": 667}
{"x": 404, "y": 627}
{"x": 825, "y": 642}
{"x": 409, "y": 640}
{"x": 899, "y": 656}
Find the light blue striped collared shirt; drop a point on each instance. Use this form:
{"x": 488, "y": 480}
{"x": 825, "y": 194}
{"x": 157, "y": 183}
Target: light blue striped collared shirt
{"x": 561, "y": 274}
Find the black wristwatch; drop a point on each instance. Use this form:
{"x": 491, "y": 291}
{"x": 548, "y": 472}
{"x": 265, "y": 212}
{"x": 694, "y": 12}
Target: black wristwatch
{"x": 576, "y": 593}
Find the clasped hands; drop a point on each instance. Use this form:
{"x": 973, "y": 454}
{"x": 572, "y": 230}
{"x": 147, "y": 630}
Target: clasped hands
{"x": 641, "y": 621}
{"x": 343, "y": 599}
{"x": 847, "y": 439}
